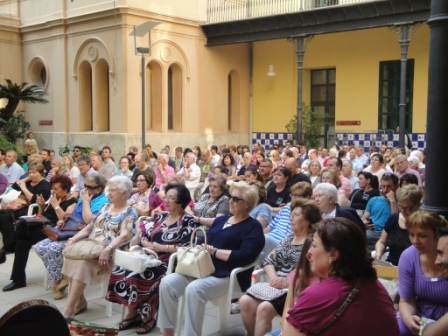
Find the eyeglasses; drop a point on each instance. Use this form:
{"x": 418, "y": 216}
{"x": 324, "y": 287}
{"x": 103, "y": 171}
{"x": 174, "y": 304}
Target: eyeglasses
{"x": 112, "y": 190}
{"x": 170, "y": 199}
{"x": 91, "y": 187}
{"x": 140, "y": 181}
{"x": 319, "y": 196}
{"x": 235, "y": 199}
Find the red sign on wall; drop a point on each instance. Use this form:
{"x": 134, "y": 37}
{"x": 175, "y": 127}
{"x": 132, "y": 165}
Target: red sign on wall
{"x": 348, "y": 123}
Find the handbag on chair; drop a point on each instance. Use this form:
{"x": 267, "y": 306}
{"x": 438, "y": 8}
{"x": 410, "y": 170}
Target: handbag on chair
{"x": 137, "y": 259}
{"x": 195, "y": 261}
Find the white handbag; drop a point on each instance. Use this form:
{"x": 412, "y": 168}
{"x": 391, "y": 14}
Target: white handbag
{"x": 138, "y": 259}
{"x": 195, "y": 261}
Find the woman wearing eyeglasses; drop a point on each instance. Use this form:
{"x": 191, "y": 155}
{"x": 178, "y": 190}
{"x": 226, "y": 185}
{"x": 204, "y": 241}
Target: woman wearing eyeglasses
{"x": 395, "y": 235}
{"x": 113, "y": 225}
{"x": 50, "y": 251}
{"x": 125, "y": 167}
{"x": 140, "y": 291}
{"x": 233, "y": 241}
{"x": 145, "y": 200}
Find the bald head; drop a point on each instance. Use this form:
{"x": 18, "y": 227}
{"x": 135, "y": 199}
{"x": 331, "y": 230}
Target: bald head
{"x": 292, "y": 165}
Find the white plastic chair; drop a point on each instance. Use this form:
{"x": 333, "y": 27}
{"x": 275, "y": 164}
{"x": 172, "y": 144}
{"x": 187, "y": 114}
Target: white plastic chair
{"x": 223, "y": 302}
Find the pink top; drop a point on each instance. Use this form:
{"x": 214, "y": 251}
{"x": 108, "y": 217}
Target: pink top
{"x": 169, "y": 171}
{"x": 371, "y": 313}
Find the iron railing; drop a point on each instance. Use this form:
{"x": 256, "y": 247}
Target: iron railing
{"x": 231, "y": 10}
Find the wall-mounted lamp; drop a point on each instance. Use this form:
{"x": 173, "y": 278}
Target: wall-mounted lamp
{"x": 271, "y": 72}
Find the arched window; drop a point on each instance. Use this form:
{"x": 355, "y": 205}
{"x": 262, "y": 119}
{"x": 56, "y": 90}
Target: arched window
{"x": 154, "y": 97}
{"x": 175, "y": 98}
{"x": 102, "y": 113}
{"x": 85, "y": 97}
{"x": 233, "y": 104}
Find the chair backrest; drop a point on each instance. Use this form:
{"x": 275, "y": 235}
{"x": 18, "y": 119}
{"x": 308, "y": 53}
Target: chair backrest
{"x": 386, "y": 272}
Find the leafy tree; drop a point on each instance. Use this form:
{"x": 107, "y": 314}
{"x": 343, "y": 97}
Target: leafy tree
{"x": 311, "y": 126}
{"x": 14, "y": 94}
{"x": 15, "y": 128}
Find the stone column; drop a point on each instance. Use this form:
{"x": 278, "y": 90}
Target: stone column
{"x": 437, "y": 119}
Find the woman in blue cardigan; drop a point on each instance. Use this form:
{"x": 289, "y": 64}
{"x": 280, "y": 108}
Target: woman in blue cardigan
{"x": 233, "y": 241}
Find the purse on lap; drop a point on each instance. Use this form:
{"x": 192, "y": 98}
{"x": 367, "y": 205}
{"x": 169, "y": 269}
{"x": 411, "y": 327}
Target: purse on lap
{"x": 85, "y": 249}
{"x": 138, "y": 259}
{"x": 195, "y": 261}
{"x": 70, "y": 228}
{"x": 264, "y": 291}
{"x": 26, "y": 222}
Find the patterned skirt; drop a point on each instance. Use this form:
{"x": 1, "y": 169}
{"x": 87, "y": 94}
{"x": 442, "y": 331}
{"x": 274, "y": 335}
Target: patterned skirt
{"x": 139, "y": 291}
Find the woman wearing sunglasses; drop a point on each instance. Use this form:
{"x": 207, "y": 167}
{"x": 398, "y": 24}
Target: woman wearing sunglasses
{"x": 233, "y": 241}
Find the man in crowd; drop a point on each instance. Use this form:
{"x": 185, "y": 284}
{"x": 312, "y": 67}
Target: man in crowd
{"x": 108, "y": 165}
{"x": 77, "y": 151}
{"x": 171, "y": 162}
{"x": 335, "y": 163}
{"x": 12, "y": 169}
{"x": 379, "y": 209}
{"x": 2, "y": 159}
{"x": 97, "y": 166}
{"x": 191, "y": 172}
{"x": 357, "y": 164}
{"x": 85, "y": 169}
{"x": 141, "y": 165}
{"x": 133, "y": 149}
{"x": 265, "y": 170}
{"x": 360, "y": 156}
{"x": 312, "y": 155}
{"x": 178, "y": 158}
{"x": 247, "y": 162}
{"x": 297, "y": 175}
{"x": 45, "y": 153}
{"x": 163, "y": 171}
{"x": 206, "y": 166}
{"x": 403, "y": 168}
{"x": 347, "y": 172}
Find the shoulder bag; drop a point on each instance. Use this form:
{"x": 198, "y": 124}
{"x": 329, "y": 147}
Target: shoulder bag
{"x": 138, "y": 259}
{"x": 85, "y": 249}
{"x": 71, "y": 227}
{"x": 343, "y": 307}
{"x": 195, "y": 261}
{"x": 26, "y": 222}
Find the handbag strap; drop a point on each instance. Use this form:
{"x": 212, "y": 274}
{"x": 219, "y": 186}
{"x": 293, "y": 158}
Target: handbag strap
{"x": 344, "y": 305}
{"x": 193, "y": 234}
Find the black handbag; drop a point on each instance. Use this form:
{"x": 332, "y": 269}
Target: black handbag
{"x": 70, "y": 228}
{"x": 27, "y": 222}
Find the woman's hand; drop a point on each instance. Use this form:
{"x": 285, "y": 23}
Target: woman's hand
{"x": 413, "y": 323}
{"x": 60, "y": 223}
{"x": 156, "y": 247}
{"x": 54, "y": 202}
{"x": 54, "y": 170}
{"x": 86, "y": 197}
{"x": 105, "y": 258}
{"x": 40, "y": 200}
{"x": 278, "y": 282}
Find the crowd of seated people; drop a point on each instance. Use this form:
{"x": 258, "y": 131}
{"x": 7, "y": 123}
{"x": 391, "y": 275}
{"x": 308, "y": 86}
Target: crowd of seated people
{"x": 286, "y": 192}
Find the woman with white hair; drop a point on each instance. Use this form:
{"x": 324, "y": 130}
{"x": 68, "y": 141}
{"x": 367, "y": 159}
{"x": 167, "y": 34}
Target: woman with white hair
{"x": 326, "y": 195}
{"x": 113, "y": 225}
{"x": 233, "y": 241}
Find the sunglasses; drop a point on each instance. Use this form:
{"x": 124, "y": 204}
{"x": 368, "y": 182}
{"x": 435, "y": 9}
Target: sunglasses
{"x": 235, "y": 199}
{"x": 90, "y": 187}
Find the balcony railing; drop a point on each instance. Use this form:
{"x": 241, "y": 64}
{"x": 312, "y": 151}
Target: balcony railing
{"x": 231, "y": 10}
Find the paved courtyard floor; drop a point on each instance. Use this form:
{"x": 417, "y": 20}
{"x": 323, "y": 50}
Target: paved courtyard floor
{"x": 96, "y": 311}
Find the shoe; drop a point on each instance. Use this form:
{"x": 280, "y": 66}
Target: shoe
{"x": 14, "y": 285}
{"x": 133, "y": 322}
{"x": 146, "y": 328}
{"x": 234, "y": 308}
{"x": 2, "y": 256}
{"x": 63, "y": 284}
{"x": 58, "y": 294}
{"x": 80, "y": 309}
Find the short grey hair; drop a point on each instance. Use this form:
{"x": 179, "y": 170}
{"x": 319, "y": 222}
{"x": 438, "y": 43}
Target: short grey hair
{"x": 401, "y": 156}
{"x": 328, "y": 189}
{"x": 98, "y": 179}
{"x": 345, "y": 160}
{"x": 249, "y": 194}
{"x": 123, "y": 183}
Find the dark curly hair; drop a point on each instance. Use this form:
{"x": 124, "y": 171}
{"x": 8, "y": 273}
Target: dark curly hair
{"x": 147, "y": 176}
{"x": 63, "y": 180}
{"x": 310, "y": 211}
{"x": 347, "y": 238}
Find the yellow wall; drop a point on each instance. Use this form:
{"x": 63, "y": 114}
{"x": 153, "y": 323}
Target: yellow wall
{"x": 356, "y": 56}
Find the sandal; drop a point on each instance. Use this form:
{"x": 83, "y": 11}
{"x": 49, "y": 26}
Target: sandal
{"x": 145, "y": 328}
{"x": 133, "y": 322}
